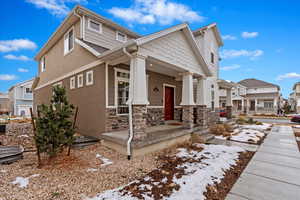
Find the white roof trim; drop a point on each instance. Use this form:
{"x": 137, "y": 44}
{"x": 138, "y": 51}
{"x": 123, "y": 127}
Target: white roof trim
{"x": 90, "y": 49}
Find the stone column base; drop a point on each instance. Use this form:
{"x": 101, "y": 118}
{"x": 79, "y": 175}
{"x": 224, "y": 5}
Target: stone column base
{"x": 188, "y": 116}
{"x": 229, "y": 112}
{"x": 139, "y": 121}
{"x": 202, "y": 116}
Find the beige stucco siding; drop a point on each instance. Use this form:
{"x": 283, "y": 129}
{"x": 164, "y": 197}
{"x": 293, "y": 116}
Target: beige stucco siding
{"x": 174, "y": 49}
{"x": 58, "y": 64}
{"x": 155, "y": 80}
{"x": 105, "y": 39}
{"x": 89, "y": 99}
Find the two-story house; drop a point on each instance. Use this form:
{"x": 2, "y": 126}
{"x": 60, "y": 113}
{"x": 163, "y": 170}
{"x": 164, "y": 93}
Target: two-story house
{"x": 237, "y": 97}
{"x": 4, "y": 104}
{"x": 261, "y": 97}
{"x": 123, "y": 82}
{"x": 21, "y": 98}
{"x": 294, "y": 99}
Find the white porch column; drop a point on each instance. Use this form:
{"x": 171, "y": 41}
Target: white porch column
{"x": 255, "y": 105}
{"x": 138, "y": 80}
{"x": 243, "y": 105}
{"x": 187, "y": 90}
{"x": 228, "y": 97}
{"x": 200, "y": 92}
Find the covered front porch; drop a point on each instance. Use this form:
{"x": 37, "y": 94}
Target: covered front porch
{"x": 151, "y": 104}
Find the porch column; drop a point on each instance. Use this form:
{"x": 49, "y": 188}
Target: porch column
{"x": 187, "y": 101}
{"x": 202, "y": 111}
{"x": 138, "y": 95}
{"x": 228, "y": 103}
{"x": 255, "y": 108}
{"x": 243, "y": 106}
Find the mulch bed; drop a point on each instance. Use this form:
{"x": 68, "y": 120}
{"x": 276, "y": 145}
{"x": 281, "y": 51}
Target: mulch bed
{"x": 219, "y": 191}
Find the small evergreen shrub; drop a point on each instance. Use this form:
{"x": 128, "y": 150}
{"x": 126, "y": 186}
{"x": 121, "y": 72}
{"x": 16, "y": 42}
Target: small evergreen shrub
{"x": 54, "y": 126}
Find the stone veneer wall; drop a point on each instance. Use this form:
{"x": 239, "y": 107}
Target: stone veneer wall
{"x": 213, "y": 116}
{"x": 115, "y": 122}
{"x": 178, "y": 114}
{"x": 155, "y": 116}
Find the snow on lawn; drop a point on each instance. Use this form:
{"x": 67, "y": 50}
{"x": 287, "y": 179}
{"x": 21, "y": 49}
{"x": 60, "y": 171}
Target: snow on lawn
{"x": 201, "y": 169}
{"x": 248, "y": 135}
{"x": 262, "y": 127}
{"x": 105, "y": 161}
{"x": 23, "y": 182}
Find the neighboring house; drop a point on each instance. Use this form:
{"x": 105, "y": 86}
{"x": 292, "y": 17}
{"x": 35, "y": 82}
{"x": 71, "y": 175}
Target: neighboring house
{"x": 107, "y": 70}
{"x": 294, "y": 99}
{"x": 261, "y": 97}
{"x": 238, "y": 98}
{"x": 4, "y": 104}
{"x": 21, "y": 98}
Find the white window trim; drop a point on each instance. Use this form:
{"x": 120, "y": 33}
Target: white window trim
{"x": 116, "y": 86}
{"x": 96, "y": 22}
{"x": 67, "y": 51}
{"x": 117, "y": 36}
{"x": 78, "y": 82}
{"x": 72, "y": 80}
{"x": 43, "y": 64}
{"x": 87, "y": 78}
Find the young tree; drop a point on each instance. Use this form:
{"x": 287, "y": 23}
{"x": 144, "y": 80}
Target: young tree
{"x": 54, "y": 125}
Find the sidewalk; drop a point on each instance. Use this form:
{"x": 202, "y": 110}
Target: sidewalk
{"x": 274, "y": 171}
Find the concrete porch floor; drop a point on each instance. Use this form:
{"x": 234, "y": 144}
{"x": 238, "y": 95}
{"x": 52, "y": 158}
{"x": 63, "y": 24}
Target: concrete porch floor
{"x": 158, "y": 137}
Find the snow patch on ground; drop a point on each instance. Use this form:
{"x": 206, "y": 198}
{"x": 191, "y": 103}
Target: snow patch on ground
{"x": 296, "y": 126}
{"x": 23, "y": 182}
{"x": 105, "y": 161}
{"x": 248, "y": 135}
{"x": 210, "y": 170}
{"x": 262, "y": 127}
{"x": 91, "y": 170}
{"x": 3, "y": 171}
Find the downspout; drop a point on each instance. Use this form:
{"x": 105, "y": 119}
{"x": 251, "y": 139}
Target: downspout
{"x": 130, "y": 112}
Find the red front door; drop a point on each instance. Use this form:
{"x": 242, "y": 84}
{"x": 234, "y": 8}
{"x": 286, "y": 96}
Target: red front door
{"x": 169, "y": 103}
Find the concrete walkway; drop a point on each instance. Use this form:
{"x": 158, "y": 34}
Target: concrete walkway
{"x": 274, "y": 171}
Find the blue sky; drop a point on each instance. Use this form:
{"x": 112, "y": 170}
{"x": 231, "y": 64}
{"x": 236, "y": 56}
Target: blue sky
{"x": 261, "y": 37}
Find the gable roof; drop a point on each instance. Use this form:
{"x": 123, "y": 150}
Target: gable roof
{"x": 181, "y": 27}
{"x": 297, "y": 83}
{"x": 215, "y": 29}
{"x": 20, "y": 84}
{"x": 72, "y": 17}
{"x": 255, "y": 83}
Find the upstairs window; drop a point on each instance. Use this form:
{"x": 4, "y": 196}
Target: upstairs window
{"x": 28, "y": 90}
{"x": 43, "y": 64}
{"x": 212, "y": 57}
{"x": 69, "y": 41}
{"x": 95, "y": 26}
{"x": 121, "y": 37}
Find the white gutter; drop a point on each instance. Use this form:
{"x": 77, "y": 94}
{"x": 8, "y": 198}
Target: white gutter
{"x": 81, "y": 22}
{"x": 129, "y": 102}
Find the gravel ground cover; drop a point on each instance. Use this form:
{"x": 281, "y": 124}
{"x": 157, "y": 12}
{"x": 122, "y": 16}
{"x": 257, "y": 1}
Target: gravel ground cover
{"x": 75, "y": 177}
{"x": 195, "y": 172}
{"x": 252, "y": 134}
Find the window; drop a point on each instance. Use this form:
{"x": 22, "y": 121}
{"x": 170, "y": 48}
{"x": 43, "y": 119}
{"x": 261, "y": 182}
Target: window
{"x": 212, "y": 98}
{"x": 72, "y": 83}
{"x": 80, "y": 80}
{"x": 268, "y": 104}
{"x": 122, "y": 90}
{"x": 69, "y": 41}
{"x": 95, "y": 26}
{"x": 28, "y": 90}
{"x": 43, "y": 64}
{"x": 212, "y": 57}
{"x": 89, "y": 78}
{"x": 121, "y": 36}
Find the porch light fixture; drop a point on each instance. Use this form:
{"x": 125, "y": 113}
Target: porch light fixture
{"x": 155, "y": 89}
